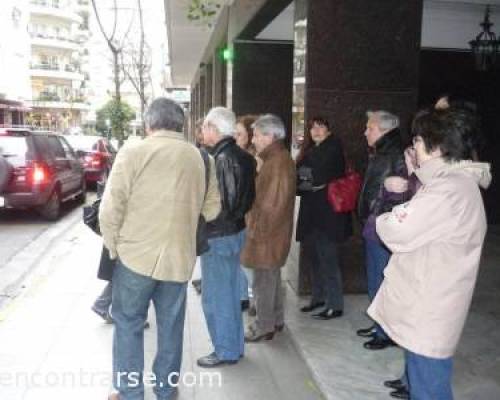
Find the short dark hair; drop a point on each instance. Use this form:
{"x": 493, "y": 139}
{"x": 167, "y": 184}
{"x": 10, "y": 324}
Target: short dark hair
{"x": 453, "y": 131}
{"x": 319, "y": 120}
{"x": 166, "y": 114}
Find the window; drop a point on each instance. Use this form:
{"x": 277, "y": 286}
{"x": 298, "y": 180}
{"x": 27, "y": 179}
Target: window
{"x": 56, "y": 148}
{"x": 67, "y": 149}
{"x": 14, "y": 149}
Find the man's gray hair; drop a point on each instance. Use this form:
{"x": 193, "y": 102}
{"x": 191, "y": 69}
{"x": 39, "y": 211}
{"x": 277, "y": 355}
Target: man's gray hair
{"x": 165, "y": 114}
{"x": 270, "y": 124}
{"x": 223, "y": 119}
{"x": 384, "y": 119}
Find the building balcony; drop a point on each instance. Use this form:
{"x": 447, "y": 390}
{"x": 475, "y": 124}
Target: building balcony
{"x": 38, "y": 39}
{"x": 82, "y": 35}
{"x": 53, "y": 101}
{"x": 68, "y": 72}
{"x": 55, "y": 12}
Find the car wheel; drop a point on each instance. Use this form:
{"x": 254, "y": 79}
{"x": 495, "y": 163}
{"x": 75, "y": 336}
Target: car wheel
{"x": 52, "y": 209}
{"x": 82, "y": 197}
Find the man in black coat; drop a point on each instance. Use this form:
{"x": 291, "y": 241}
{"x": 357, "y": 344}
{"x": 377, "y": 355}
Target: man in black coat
{"x": 385, "y": 185}
{"x": 220, "y": 265}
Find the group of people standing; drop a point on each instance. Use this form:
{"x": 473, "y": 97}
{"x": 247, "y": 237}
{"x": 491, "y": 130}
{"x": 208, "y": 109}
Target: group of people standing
{"x": 422, "y": 219}
{"x": 149, "y": 216}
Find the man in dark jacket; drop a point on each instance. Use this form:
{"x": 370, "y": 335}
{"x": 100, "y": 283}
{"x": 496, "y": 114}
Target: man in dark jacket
{"x": 385, "y": 185}
{"x": 220, "y": 266}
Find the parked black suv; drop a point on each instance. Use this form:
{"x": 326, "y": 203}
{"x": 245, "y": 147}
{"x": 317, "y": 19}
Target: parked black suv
{"x": 45, "y": 171}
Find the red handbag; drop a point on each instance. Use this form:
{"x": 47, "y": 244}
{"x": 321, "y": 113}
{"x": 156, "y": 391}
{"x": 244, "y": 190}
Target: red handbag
{"x": 343, "y": 192}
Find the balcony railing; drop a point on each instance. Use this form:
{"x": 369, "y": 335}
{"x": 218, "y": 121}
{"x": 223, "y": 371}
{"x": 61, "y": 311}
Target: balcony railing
{"x": 56, "y": 67}
{"x": 47, "y": 96}
{"x": 47, "y": 67}
{"x": 52, "y": 37}
{"x": 48, "y": 3}
{"x": 54, "y": 8}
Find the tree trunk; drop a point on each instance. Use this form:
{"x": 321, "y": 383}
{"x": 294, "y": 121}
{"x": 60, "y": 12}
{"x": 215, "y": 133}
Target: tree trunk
{"x": 118, "y": 131}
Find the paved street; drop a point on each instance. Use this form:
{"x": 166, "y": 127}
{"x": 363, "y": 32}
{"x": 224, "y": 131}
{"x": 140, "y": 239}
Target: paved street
{"x": 24, "y": 238}
{"x": 18, "y": 228}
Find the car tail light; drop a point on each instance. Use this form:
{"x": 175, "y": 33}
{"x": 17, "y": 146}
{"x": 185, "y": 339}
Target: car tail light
{"x": 94, "y": 160}
{"x": 39, "y": 173}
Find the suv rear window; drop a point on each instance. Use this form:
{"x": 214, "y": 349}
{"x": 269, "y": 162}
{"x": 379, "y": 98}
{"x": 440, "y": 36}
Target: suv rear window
{"x": 14, "y": 149}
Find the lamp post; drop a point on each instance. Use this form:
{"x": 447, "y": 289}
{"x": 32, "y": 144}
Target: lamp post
{"x": 485, "y": 46}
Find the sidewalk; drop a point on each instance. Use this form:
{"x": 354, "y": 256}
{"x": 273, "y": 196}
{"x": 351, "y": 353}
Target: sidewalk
{"x": 56, "y": 348}
{"x": 344, "y": 370}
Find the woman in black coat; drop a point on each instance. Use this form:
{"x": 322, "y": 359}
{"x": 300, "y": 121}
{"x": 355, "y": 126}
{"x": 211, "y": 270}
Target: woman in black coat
{"x": 320, "y": 228}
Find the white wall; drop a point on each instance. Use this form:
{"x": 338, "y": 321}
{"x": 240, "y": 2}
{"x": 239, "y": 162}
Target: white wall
{"x": 15, "y": 50}
{"x": 448, "y": 24}
{"x": 452, "y": 24}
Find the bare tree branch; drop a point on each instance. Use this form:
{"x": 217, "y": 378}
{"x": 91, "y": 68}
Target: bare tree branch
{"x": 115, "y": 22}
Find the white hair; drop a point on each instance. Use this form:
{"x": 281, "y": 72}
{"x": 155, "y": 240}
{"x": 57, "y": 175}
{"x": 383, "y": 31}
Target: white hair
{"x": 223, "y": 119}
{"x": 384, "y": 119}
{"x": 270, "y": 124}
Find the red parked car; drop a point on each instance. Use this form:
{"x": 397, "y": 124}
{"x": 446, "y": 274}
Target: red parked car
{"x": 96, "y": 154}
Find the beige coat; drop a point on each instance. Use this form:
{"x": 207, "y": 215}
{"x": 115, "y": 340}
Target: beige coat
{"x": 270, "y": 220}
{"x": 436, "y": 240}
{"x": 151, "y": 204}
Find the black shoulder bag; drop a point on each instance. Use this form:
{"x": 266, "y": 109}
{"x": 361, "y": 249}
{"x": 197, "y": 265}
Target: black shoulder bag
{"x": 201, "y": 232}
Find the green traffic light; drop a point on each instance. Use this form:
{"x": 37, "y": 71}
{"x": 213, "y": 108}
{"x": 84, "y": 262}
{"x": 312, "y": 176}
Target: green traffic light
{"x": 227, "y": 54}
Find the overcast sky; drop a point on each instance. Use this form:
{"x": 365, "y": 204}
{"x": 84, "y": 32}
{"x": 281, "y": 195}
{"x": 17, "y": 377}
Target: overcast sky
{"x": 155, "y": 32}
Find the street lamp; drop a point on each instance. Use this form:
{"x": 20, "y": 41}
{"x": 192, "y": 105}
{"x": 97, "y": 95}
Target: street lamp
{"x": 485, "y": 46}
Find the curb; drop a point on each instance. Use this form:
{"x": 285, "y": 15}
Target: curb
{"x": 316, "y": 384}
{"x": 18, "y": 268}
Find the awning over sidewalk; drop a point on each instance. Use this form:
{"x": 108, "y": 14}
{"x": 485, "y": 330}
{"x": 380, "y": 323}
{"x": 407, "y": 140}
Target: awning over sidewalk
{"x": 12, "y": 105}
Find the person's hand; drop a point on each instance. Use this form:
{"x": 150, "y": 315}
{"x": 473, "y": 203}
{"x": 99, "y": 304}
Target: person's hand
{"x": 410, "y": 160}
{"x": 401, "y": 212}
{"x": 396, "y": 184}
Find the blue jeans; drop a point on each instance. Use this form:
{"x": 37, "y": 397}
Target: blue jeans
{"x": 377, "y": 257}
{"x": 131, "y": 296}
{"x": 221, "y": 295}
{"x": 428, "y": 378}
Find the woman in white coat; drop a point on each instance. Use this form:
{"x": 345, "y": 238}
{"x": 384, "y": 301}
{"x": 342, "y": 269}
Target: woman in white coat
{"x": 436, "y": 240}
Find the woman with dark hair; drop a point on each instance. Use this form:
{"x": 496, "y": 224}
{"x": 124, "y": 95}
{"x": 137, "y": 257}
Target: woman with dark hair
{"x": 244, "y": 132}
{"x": 320, "y": 229}
{"x": 244, "y": 136}
{"x": 436, "y": 241}
{"x": 447, "y": 101}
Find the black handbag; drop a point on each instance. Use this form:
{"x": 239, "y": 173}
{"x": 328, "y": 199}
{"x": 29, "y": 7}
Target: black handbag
{"x": 91, "y": 216}
{"x": 201, "y": 231}
{"x": 106, "y": 266}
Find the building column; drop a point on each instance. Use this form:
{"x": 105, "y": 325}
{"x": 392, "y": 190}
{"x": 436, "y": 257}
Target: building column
{"x": 262, "y": 74}
{"x": 360, "y": 55}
